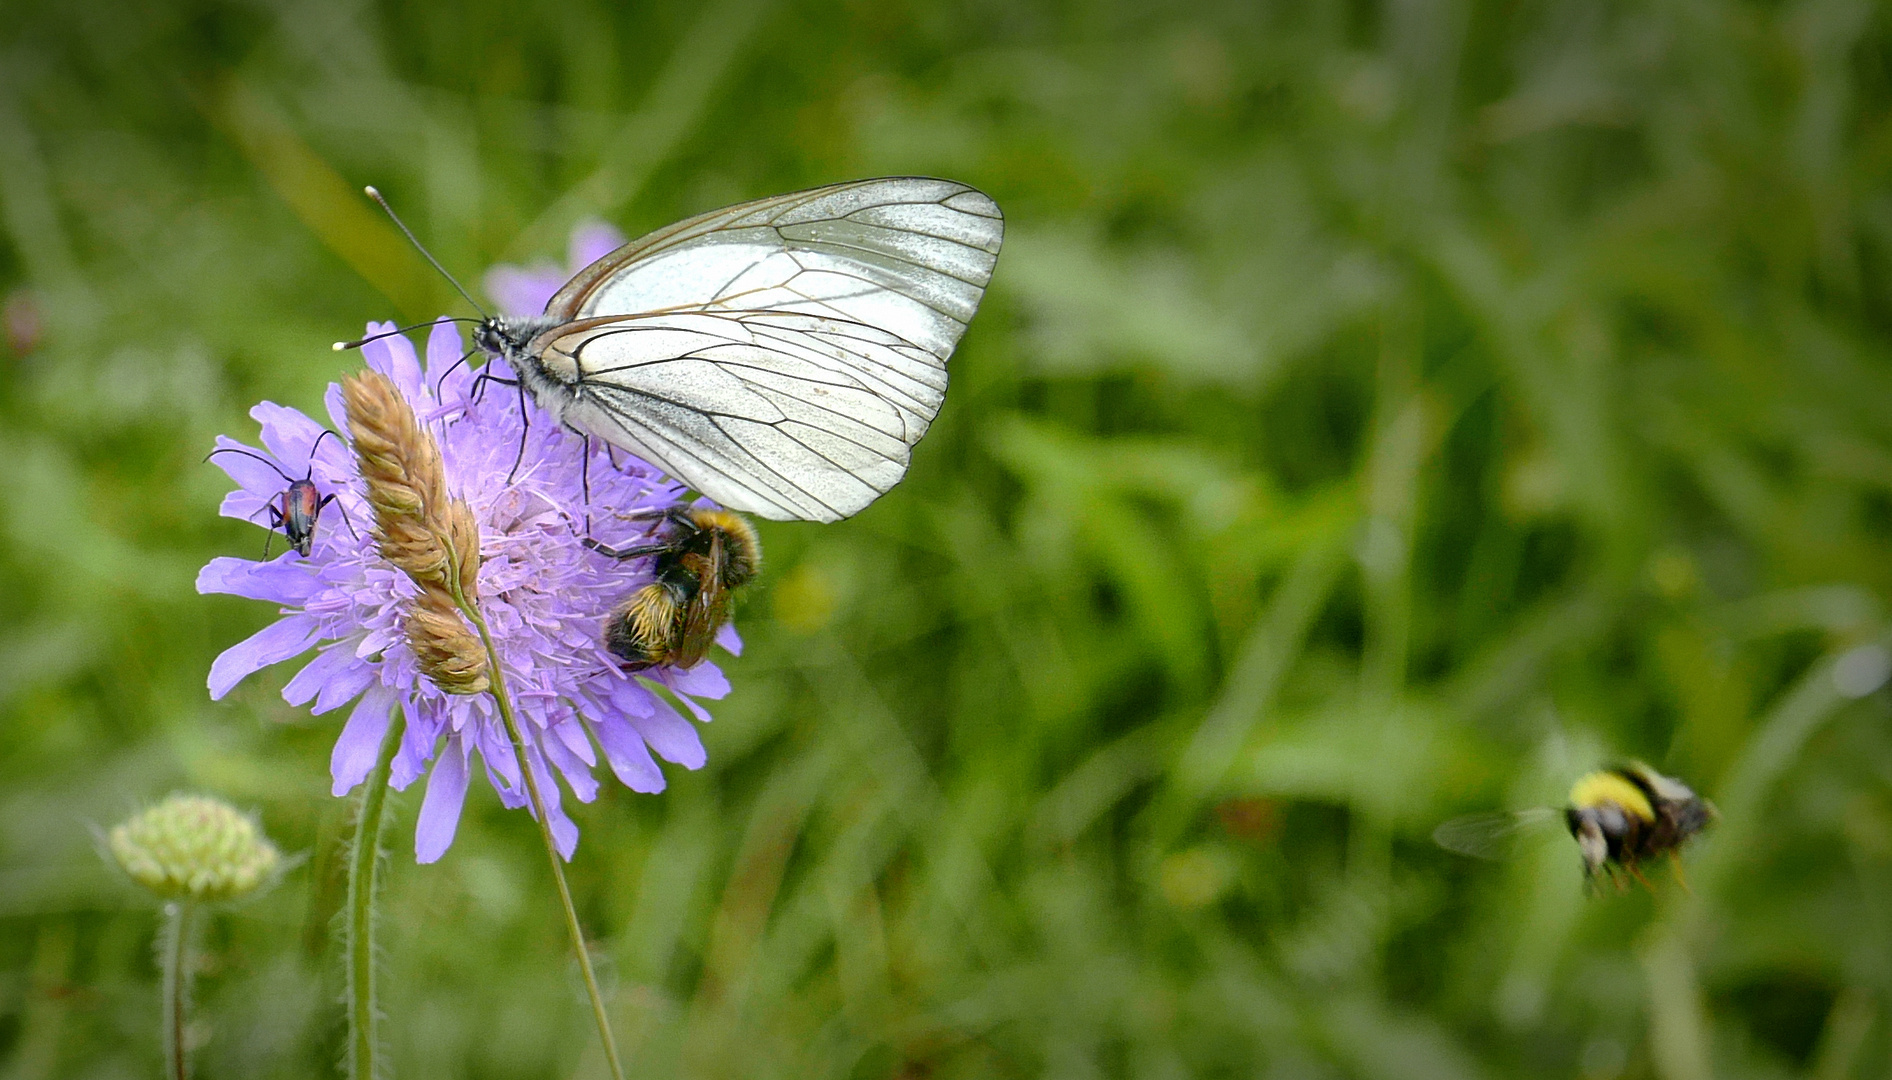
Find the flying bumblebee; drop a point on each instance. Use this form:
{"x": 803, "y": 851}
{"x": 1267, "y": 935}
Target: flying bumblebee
{"x": 702, "y": 557}
{"x": 1621, "y": 817}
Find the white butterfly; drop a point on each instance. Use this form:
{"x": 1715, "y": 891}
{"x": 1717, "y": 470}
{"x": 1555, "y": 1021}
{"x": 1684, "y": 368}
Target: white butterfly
{"x": 782, "y": 356}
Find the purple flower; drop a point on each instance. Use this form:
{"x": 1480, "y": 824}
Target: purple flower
{"x": 543, "y": 594}
{"x": 524, "y": 290}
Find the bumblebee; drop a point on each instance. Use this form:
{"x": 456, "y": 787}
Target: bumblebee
{"x": 1621, "y": 817}
{"x": 702, "y": 557}
{"x": 1626, "y": 814}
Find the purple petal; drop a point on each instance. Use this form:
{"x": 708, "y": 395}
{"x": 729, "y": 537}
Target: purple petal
{"x": 360, "y": 741}
{"x": 572, "y": 734}
{"x": 394, "y": 357}
{"x": 704, "y": 680}
{"x": 245, "y": 505}
{"x": 576, "y": 772}
{"x": 564, "y": 833}
{"x": 444, "y": 347}
{"x": 630, "y": 761}
{"x": 328, "y": 664}
{"x": 345, "y": 684}
{"x": 280, "y": 640}
{"x": 257, "y": 474}
{"x": 440, "y": 807}
{"x": 417, "y": 744}
{"x": 337, "y": 412}
{"x": 524, "y": 291}
{"x": 288, "y": 581}
{"x": 592, "y": 240}
{"x": 289, "y": 434}
{"x": 729, "y": 639}
{"x": 671, "y": 735}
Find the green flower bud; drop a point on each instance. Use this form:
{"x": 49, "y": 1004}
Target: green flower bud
{"x": 193, "y": 847}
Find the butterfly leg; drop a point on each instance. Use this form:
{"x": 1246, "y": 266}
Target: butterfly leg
{"x": 525, "y": 426}
{"x": 1675, "y": 860}
{"x": 584, "y": 480}
{"x": 636, "y": 551}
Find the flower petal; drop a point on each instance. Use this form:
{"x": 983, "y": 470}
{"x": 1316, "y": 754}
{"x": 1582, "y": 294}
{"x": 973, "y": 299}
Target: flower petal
{"x": 417, "y": 743}
{"x": 251, "y": 468}
{"x": 564, "y": 833}
{"x": 280, "y": 640}
{"x": 576, "y": 772}
{"x": 704, "y": 680}
{"x": 347, "y": 683}
{"x": 630, "y": 760}
{"x": 591, "y": 240}
{"x": 360, "y": 741}
{"x": 316, "y": 674}
{"x": 440, "y": 807}
{"x": 283, "y": 581}
{"x": 729, "y": 639}
{"x": 524, "y": 291}
{"x": 671, "y": 735}
{"x": 289, "y": 434}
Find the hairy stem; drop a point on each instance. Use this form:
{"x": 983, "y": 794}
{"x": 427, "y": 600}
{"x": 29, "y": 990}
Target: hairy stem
{"x": 504, "y": 700}
{"x": 174, "y": 957}
{"x": 364, "y": 867}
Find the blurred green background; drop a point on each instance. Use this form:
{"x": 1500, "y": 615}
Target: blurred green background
{"x": 1382, "y": 411}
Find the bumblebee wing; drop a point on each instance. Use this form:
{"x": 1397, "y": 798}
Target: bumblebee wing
{"x": 706, "y": 611}
{"x": 1490, "y": 836}
{"x": 907, "y": 254}
{"x": 786, "y": 415}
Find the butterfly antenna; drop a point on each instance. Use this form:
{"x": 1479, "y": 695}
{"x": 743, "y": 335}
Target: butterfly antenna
{"x": 344, "y": 346}
{"x": 422, "y": 248}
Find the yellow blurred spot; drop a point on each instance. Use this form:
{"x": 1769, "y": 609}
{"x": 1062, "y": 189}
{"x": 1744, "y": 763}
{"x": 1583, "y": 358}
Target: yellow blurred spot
{"x": 805, "y": 599}
{"x": 1672, "y": 572}
{"x": 1194, "y": 879}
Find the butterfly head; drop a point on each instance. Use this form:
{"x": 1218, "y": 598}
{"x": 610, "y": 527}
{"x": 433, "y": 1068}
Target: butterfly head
{"x": 509, "y": 338}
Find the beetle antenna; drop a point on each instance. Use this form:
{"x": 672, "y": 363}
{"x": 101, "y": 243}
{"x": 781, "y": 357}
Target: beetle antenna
{"x": 248, "y": 454}
{"x": 422, "y": 248}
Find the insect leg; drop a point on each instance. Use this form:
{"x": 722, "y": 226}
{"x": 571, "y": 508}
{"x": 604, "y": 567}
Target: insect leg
{"x": 636, "y": 551}
{"x": 1675, "y": 860}
{"x": 340, "y": 509}
{"x": 455, "y": 366}
{"x": 525, "y": 425}
{"x": 584, "y": 480}
{"x": 275, "y": 522}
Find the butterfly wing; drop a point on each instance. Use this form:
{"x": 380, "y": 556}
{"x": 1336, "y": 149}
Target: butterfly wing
{"x": 781, "y": 414}
{"x": 782, "y": 356}
{"x": 909, "y": 255}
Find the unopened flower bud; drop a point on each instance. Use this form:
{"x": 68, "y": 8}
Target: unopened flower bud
{"x": 193, "y": 847}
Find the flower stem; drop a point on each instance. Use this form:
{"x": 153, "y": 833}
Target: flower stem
{"x": 364, "y": 866}
{"x": 504, "y": 701}
{"x": 174, "y": 957}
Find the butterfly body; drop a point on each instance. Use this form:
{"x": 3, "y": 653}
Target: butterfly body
{"x": 782, "y": 356}
{"x": 702, "y": 556}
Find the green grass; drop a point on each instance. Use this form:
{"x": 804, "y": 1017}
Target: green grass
{"x": 1381, "y": 412}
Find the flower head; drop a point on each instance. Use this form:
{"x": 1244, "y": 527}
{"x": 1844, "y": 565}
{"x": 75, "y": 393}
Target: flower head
{"x": 193, "y": 847}
{"x": 543, "y": 595}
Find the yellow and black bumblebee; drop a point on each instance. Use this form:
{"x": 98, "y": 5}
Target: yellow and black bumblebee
{"x": 1621, "y": 817}
{"x": 702, "y": 557}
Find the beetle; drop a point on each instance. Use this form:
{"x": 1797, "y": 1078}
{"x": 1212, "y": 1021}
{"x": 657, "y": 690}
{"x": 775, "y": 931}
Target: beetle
{"x": 296, "y": 509}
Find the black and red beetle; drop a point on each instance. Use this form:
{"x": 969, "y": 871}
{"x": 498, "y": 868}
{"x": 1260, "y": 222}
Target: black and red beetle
{"x": 295, "y": 511}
